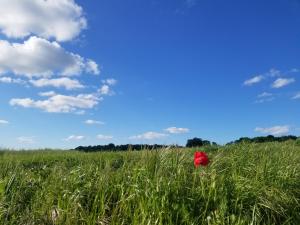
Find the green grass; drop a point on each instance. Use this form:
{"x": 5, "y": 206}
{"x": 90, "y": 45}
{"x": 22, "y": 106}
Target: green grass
{"x": 244, "y": 184}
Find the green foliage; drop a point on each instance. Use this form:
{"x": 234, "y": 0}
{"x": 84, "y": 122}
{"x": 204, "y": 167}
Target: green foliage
{"x": 264, "y": 139}
{"x": 198, "y": 142}
{"x": 244, "y": 184}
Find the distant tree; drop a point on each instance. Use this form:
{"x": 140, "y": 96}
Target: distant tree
{"x": 269, "y": 138}
{"x": 111, "y": 146}
{"x": 206, "y": 143}
{"x": 195, "y": 142}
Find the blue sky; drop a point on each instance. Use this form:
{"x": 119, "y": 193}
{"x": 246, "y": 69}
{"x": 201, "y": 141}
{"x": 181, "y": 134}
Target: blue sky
{"x": 94, "y": 72}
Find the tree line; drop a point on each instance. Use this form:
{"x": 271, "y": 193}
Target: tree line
{"x": 195, "y": 142}
{"x": 263, "y": 139}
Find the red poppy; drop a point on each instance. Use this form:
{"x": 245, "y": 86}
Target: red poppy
{"x": 200, "y": 159}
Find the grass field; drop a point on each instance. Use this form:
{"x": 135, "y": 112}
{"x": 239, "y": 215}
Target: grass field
{"x": 244, "y": 184}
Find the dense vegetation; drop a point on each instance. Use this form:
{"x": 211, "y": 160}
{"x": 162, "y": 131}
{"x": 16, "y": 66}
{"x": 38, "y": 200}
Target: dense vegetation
{"x": 264, "y": 139}
{"x": 244, "y": 184}
{"x": 198, "y": 142}
{"x": 194, "y": 142}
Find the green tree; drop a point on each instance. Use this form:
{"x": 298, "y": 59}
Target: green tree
{"x": 195, "y": 142}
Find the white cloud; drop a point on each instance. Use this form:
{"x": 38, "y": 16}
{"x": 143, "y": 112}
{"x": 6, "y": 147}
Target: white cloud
{"x": 4, "y": 122}
{"x": 104, "y": 137}
{"x": 149, "y": 136}
{"x": 59, "y": 19}
{"x": 47, "y": 94}
{"x": 59, "y": 103}
{"x": 276, "y": 130}
{"x": 93, "y": 122}
{"x": 26, "y": 140}
{"x": 254, "y": 80}
{"x": 104, "y": 90}
{"x": 9, "y": 80}
{"x": 297, "y": 96}
{"x": 264, "y": 95}
{"x": 281, "y": 82}
{"x": 263, "y": 100}
{"x": 39, "y": 57}
{"x": 110, "y": 81}
{"x": 106, "y": 87}
{"x": 74, "y": 138}
{"x": 92, "y": 67}
{"x": 65, "y": 82}
{"x": 175, "y": 130}
{"x": 274, "y": 73}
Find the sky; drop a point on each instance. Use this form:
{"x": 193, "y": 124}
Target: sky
{"x": 76, "y": 72}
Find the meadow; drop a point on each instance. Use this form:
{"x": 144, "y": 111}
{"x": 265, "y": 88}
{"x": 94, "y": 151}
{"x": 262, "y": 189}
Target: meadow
{"x": 243, "y": 184}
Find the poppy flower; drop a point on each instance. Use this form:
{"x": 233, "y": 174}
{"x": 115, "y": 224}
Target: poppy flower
{"x": 200, "y": 159}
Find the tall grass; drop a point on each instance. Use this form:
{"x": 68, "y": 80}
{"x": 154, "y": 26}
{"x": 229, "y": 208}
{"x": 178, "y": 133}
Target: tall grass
{"x": 244, "y": 184}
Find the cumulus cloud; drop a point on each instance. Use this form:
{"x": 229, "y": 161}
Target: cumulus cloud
{"x": 26, "y": 140}
{"x": 39, "y": 57}
{"x": 93, "y": 122}
{"x": 59, "y": 103}
{"x": 149, "y": 136}
{"x": 65, "y": 82}
{"x": 104, "y": 137}
{"x": 176, "y": 130}
{"x": 254, "y": 80}
{"x": 59, "y": 19}
{"x": 74, "y": 138}
{"x": 276, "y": 130}
{"x": 281, "y": 82}
{"x": 4, "y": 122}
